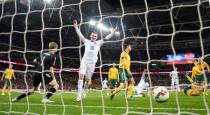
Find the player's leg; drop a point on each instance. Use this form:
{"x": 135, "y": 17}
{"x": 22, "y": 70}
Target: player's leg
{"x": 122, "y": 85}
{"x": 199, "y": 79}
{"x": 54, "y": 87}
{"x": 88, "y": 75}
{"x": 36, "y": 81}
{"x": 130, "y": 87}
{"x": 82, "y": 72}
{"x": 131, "y": 84}
{"x": 4, "y": 87}
{"x": 111, "y": 86}
{"x": 205, "y": 88}
{"x": 9, "y": 87}
{"x": 172, "y": 84}
{"x": 176, "y": 83}
{"x": 122, "y": 76}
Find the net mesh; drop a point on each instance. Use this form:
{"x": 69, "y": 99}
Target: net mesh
{"x": 57, "y": 17}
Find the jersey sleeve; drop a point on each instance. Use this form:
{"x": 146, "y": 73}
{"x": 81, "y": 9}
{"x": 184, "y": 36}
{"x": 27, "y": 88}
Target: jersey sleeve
{"x": 109, "y": 36}
{"x": 123, "y": 55}
{"x": 80, "y": 35}
{"x": 100, "y": 42}
{"x": 5, "y": 71}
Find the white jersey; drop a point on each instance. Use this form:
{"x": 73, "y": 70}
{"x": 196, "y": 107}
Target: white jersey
{"x": 105, "y": 82}
{"x": 91, "y": 50}
{"x": 173, "y": 75}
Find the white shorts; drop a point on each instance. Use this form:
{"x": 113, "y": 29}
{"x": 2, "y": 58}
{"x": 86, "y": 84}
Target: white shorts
{"x": 174, "y": 82}
{"x": 87, "y": 69}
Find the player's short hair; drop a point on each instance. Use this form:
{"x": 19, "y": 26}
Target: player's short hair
{"x": 94, "y": 32}
{"x": 53, "y": 45}
{"x": 127, "y": 44}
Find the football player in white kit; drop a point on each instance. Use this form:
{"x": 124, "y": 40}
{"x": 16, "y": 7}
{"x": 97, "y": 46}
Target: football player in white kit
{"x": 143, "y": 84}
{"x": 89, "y": 59}
{"x": 174, "y": 80}
{"x": 104, "y": 84}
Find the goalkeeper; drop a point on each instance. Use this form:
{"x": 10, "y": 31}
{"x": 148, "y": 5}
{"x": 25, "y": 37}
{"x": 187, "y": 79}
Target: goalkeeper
{"x": 45, "y": 74}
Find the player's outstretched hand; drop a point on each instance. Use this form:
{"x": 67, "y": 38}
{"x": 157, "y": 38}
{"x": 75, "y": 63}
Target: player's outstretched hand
{"x": 75, "y": 23}
{"x": 35, "y": 61}
{"x": 115, "y": 29}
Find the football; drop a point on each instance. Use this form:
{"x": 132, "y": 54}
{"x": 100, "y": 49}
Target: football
{"x": 160, "y": 94}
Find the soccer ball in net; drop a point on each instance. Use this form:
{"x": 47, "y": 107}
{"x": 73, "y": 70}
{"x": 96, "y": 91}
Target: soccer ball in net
{"x": 160, "y": 94}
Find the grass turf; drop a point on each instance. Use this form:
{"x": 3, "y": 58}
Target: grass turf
{"x": 93, "y": 104}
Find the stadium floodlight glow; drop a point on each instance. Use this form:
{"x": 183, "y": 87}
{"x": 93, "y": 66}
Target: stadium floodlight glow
{"x": 102, "y": 27}
{"x": 117, "y": 33}
{"x": 92, "y": 22}
{"x": 48, "y": 1}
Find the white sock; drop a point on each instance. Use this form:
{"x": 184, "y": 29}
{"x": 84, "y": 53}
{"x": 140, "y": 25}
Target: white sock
{"x": 80, "y": 85}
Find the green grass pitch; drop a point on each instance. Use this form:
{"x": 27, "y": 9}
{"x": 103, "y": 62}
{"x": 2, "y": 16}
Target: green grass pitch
{"x": 93, "y": 104}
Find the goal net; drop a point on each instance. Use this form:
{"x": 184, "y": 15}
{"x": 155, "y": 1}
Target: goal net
{"x": 161, "y": 31}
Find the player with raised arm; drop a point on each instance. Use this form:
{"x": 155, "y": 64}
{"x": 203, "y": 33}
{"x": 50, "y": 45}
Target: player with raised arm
{"x": 89, "y": 58}
{"x": 125, "y": 73}
{"x": 45, "y": 74}
{"x": 7, "y": 76}
{"x": 174, "y": 80}
{"x": 113, "y": 76}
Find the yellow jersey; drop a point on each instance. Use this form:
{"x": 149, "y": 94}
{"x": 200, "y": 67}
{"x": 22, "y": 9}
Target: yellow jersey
{"x": 9, "y": 73}
{"x": 193, "y": 92}
{"x": 196, "y": 71}
{"x": 127, "y": 62}
{"x": 203, "y": 65}
{"x": 113, "y": 73}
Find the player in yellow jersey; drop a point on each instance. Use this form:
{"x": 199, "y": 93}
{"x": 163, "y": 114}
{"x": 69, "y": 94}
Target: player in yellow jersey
{"x": 7, "y": 76}
{"x": 190, "y": 91}
{"x": 202, "y": 65}
{"x": 195, "y": 89}
{"x": 113, "y": 76}
{"x": 125, "y": 74}
{"x": 197, "y": 77}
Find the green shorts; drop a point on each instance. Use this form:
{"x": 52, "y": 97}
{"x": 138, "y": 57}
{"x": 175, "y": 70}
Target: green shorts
{"x": 199, "y": 78}
{"x": 113, "y": 82}
{"x": 123, "y": 75}
{"x": 7, "y": 82}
